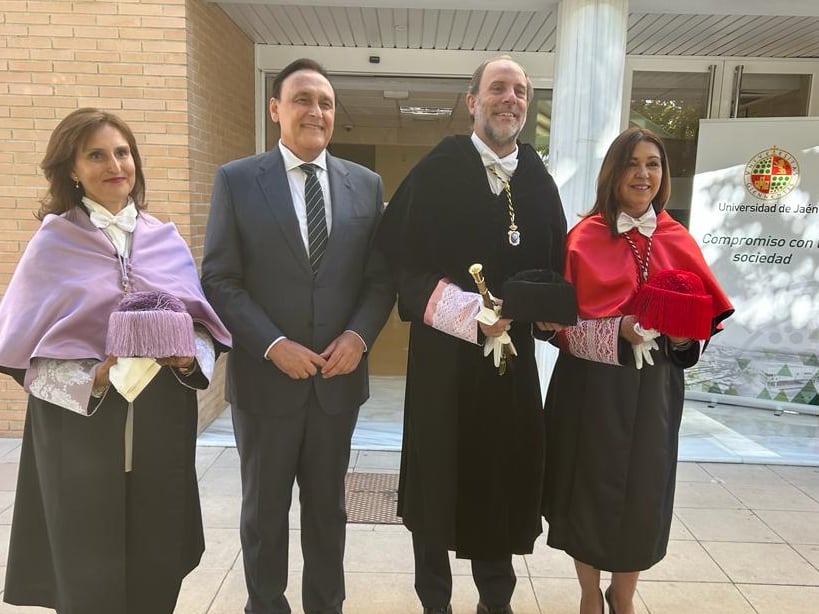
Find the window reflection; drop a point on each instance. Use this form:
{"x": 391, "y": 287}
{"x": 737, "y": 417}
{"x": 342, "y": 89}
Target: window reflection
{"x": 671, "y": 105}
{"x": 538, "y": 126}
{"x": 772, "y": 95}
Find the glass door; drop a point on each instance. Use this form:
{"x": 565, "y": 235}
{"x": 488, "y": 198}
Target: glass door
{"x": 671, "y": 95}
{"x": 388, "y": 123}
{"x": 670, "y": 98}
{"x": 769, "y": 88}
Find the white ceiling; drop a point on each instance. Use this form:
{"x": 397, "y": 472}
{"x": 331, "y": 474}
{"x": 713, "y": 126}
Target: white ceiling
{"x": 519, "y": 30}
{"x": 744, "y": 28}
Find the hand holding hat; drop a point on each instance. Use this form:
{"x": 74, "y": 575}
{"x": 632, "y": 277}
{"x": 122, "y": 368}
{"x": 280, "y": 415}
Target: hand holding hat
{"x": 672, "y": 303}
{"x": 642, "y": 351}
{"x": 151, "y": 324}
{"x": 146, "y": 327}
{"x": 675, "y": 303}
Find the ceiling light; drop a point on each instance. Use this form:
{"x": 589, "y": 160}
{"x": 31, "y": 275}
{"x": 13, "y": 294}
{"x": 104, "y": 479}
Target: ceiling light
{"x": 426, "y": 112}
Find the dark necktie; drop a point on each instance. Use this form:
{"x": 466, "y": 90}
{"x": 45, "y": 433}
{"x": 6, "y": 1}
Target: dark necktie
{"x": 316, "y": 218}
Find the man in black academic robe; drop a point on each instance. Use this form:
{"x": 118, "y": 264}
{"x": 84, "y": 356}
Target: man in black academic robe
{"x": 473, "y": 449}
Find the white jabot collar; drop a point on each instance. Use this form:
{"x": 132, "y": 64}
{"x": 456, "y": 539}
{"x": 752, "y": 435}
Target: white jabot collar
{"x": 505, "y": 166}
{"x": 102, "y": 218}
{"x": 645, "y": 224}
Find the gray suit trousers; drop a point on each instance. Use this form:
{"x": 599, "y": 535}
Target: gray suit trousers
{"x": 312, "y": 448}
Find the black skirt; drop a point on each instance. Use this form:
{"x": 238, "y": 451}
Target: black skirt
{"x": 89, "y": 538}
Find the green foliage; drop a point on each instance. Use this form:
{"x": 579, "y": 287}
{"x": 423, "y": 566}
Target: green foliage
{"x": 671, "y": 118}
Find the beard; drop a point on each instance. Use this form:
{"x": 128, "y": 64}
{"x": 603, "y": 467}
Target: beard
{"x": 505, "y": 134}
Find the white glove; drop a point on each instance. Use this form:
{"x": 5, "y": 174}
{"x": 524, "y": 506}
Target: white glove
{"x": 642, "y": 351}
{"x": 495, "y": 345}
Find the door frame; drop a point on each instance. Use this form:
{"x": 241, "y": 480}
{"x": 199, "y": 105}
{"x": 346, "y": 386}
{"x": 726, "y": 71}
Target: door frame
{"x": 797, "y": 66}
{"x": 672, "y": 64}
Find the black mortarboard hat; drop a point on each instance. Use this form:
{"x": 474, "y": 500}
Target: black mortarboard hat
{"x": 539, "y": 295}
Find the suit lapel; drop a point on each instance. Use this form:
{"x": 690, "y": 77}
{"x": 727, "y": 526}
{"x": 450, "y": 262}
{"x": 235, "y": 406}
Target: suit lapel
{"x": 273, "y": 182}
{"x": 341, "y": 194}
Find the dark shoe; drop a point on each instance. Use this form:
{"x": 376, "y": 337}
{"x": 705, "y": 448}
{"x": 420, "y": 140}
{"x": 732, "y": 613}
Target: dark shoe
{"x": 608, "y": 600}
{"x": 484, "y": 609}
{"x": 446, "y": 610}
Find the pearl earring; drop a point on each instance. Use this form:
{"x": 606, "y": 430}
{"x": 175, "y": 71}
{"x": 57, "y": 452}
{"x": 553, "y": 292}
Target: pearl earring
{"x": 76, "y": 183}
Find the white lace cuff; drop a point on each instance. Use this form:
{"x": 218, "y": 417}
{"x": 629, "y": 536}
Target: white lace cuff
{"x": 595, "y": 340}
{"x": 66, "y": 383}
{"x": 205, "y": 354}
{"x": 452, "y": 311}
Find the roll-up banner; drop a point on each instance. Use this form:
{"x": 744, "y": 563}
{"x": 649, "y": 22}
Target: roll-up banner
{"x": 755, "y": 214}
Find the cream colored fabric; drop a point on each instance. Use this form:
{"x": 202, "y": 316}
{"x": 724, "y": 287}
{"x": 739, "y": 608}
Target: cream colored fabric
{"x": 130, "y": 375}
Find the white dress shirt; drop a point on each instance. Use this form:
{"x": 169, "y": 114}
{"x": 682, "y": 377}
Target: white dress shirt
{"x": 296, "y": 178}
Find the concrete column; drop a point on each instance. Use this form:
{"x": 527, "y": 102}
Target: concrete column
{"x": 586, "y": 109}
{"x": 588, "y": 95}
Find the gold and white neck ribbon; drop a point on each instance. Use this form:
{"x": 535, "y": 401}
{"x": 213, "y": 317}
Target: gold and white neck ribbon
{"x": 498, "y": 170}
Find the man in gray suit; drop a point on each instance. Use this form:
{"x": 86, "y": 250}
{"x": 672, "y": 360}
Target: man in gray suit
{"x": 290, "y": 267}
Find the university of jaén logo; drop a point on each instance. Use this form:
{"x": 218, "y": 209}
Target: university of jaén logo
{"x": 771, "y": 174}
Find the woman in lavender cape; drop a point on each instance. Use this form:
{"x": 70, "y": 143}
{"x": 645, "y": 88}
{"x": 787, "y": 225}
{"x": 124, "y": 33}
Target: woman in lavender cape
{"x": 107, "y": 516}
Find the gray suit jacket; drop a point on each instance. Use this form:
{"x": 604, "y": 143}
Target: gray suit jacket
{"x": 257, "y": 276}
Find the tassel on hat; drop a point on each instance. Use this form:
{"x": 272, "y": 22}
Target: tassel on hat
{"x": 151, "y": 324}
{"x": 674, "y": 302}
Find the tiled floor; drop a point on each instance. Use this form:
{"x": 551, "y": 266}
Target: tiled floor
{"x": 709, "y": 433}
{"x": 745, "y": 537}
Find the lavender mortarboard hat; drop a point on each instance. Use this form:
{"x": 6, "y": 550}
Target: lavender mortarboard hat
{"x": 151, "y": 324}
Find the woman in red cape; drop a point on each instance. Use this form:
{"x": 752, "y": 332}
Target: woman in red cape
{"x": 615, "y": 400}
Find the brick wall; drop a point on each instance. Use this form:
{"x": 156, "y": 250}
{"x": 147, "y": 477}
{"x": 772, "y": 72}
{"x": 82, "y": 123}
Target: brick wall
{"x": 156, "y": 64}
{"x": 221, "y": 128}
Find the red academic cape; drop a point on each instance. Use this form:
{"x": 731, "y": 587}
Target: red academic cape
{"x": 603, "y": 269}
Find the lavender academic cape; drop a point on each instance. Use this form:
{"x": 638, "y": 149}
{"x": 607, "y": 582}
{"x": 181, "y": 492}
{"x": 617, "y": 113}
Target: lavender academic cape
{"x": 87, "y": 537}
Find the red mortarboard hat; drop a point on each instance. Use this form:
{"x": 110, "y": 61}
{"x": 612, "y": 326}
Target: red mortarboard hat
{"x": 150, "y": 324}
{"x": 674, "y": 302}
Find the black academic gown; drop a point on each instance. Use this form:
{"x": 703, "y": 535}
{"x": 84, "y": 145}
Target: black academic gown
{"x": 88, "y": 538}
{"x": 612, "y": 429}
{"x": 473, "y": 448}
{"x": 612, "y": 456}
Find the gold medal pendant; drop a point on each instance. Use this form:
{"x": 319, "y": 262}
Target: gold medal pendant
{"x": 514, "y": 235}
